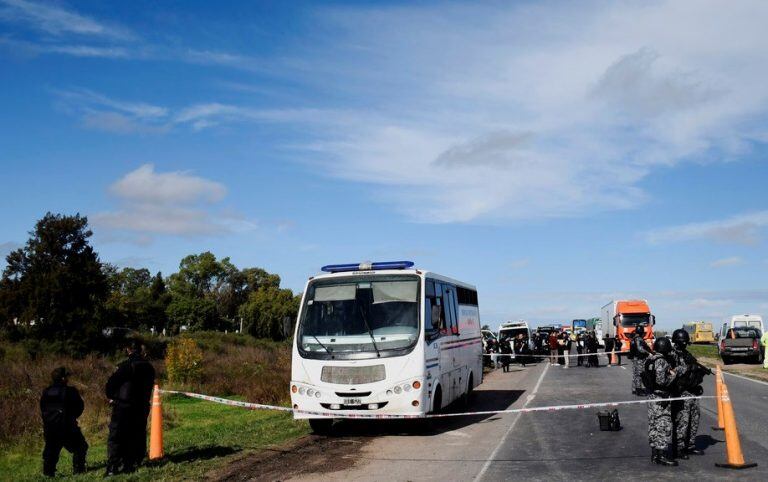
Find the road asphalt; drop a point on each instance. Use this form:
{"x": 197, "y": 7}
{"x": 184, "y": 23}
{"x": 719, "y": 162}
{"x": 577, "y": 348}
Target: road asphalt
{"x": 551, "y": 445}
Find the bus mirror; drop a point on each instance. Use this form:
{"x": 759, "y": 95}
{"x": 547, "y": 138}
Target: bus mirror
{"x": 653, "y": 319}
{"x": 616, "y": 320}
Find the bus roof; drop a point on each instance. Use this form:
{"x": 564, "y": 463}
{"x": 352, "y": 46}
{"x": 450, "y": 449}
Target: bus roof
{"x": 390, "y": 272}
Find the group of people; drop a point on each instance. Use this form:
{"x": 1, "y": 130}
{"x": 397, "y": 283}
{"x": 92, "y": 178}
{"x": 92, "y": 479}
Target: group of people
{"x": 128, "y": 391}
{"x": 518, "y": 346}
{"x": 670, "y": 371}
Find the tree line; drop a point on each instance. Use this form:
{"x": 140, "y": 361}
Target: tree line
{"x": 56, "y": 288}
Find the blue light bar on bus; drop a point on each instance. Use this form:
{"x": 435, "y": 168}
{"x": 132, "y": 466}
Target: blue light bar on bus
{"x": 340, "y": 268}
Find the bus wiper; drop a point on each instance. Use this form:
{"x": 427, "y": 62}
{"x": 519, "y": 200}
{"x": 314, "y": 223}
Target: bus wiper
{"x": 370, "y": 332}
{"x": 321, "y": 344}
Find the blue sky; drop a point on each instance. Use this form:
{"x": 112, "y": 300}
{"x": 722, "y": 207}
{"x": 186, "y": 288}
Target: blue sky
{"x": 556, "y": 155}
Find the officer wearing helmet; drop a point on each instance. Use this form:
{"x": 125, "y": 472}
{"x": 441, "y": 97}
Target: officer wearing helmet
{"x": 687, "y": 412}
{"x": 639, "y": 351}
{"x": 659, "y": 375}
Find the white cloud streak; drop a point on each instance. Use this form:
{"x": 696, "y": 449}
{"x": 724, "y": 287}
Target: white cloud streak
{"x": 741, "y": 229}
{"x": 53, "y": 19}
{"x": 727, "y": 262}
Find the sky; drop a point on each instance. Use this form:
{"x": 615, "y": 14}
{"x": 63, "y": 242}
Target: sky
{"x": 558, "y": 155}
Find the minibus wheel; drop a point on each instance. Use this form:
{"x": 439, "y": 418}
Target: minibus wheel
{"x": 321, "y": 426}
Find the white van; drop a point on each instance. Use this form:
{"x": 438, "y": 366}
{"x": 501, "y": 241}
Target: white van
{"x": 752, "y": 321}
{"x": 383, "y": 338}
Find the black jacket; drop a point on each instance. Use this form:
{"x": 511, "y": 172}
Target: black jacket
{"x": 60, "y": 406}
{"x": 131, "y": 384}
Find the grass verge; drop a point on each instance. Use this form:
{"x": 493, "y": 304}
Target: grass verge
{"x": 199, "y": 436}
{"x": 708, "y": 356}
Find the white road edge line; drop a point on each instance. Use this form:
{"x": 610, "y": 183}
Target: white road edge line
{"x": 488, "y": 462}
{"x": 746, "y": 378}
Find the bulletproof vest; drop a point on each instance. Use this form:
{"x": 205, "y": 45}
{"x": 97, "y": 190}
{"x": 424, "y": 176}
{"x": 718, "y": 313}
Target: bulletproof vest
{"x": 633, "y": 348}
{"x": 648, "y": 376}
{"x": 54, "y": 407}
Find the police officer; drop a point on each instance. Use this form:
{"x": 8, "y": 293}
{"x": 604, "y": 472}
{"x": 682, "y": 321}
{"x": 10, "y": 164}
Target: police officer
{"x": 640, "y": 351}
{"x": 659, "y": 374}
{"x": 687, "y": 412}
{"x": 60, "y": 407}
{"x": 129, "y": 390}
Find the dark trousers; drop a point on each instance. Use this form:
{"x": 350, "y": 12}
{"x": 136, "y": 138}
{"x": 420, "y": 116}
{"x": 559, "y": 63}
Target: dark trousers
{"x": 70, "y": 438}
{"x": 579, "y": 360}
{"x": 127, "y": 440}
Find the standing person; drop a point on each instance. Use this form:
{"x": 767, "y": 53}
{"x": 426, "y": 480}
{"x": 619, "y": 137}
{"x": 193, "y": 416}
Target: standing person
{"x": 617, "y": 346}
{"x": 128, "y": 391}
{"x": 521, "y": 345}
{"x": 659, "y": 375}
{"x": 506, "y": 350}
{"x": 552, "y": 348}
{"x": 688, "y": 411}
{"x": 592, "y": 345}
{"x": 562, "y": 349}
{"x": 60, "y": 407}
{"x": 764, "y": 341}
{"x": 579, "y": 349}
{"x": 608, "y": 343}
{"x": 640, "y": 352}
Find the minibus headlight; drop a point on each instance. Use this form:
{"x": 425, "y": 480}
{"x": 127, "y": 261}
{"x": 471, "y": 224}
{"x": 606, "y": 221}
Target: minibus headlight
{"x": 293, "y": 389}
{"x": 389, "y": 392}
{"x": 317, "y": 394}
{"x": 416, "y": 385}
{"x": 310, "y": 392}
{"x": 407, "y": 387}
{"x": 302, "y": 391}
{"x": 398, "y": 390}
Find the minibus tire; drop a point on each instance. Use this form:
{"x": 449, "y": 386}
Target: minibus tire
{"x": 321, "y": 426}
{"x": 437, "y": 401}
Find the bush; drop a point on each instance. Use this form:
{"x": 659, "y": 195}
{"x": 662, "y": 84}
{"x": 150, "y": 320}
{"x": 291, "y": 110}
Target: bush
{"x": 183, "y": 361}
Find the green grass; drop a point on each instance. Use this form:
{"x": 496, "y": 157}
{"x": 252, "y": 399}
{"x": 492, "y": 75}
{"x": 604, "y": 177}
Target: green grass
{"x": 709, "y": 351}
{"x": 199, "y": 436}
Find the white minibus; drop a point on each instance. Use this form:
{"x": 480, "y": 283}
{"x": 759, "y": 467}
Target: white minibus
{"x": 383, "y": 338}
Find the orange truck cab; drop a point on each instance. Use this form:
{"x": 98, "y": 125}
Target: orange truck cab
{"x": 622, "y": 317}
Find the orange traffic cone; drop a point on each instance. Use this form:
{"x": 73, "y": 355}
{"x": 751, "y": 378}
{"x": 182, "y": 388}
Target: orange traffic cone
{"x": 732, "y": 443}
{"x": 719, "y": 394}
{"x": 156, "y": 429}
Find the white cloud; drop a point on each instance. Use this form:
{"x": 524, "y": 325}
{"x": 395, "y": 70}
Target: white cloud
{"x": 740, "y": 229}
{"x": 726, "y": 262}
{"x": 147, "y": 186}
{"x": 56, "y": 20}
{"x": 168, "y": 203}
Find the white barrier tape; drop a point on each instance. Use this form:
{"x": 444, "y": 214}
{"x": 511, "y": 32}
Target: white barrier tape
{"x": 344, "y": 414}
{"x": 574, "y": 355}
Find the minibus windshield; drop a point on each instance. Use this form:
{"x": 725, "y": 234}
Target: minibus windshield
{"x": 364, "y": 314}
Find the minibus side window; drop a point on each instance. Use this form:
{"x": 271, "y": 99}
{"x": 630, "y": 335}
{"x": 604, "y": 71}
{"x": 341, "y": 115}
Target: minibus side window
{"x": 435, "y": 322}
{"x": 451, "y": 309}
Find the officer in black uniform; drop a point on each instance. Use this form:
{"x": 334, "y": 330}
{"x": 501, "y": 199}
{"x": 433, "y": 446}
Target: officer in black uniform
{"x": 60, "y": 407}
{"x": 129, "y": 390}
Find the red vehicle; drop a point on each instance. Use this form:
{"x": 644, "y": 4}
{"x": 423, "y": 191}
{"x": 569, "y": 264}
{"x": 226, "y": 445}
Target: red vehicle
{"x": 622, "y": 317}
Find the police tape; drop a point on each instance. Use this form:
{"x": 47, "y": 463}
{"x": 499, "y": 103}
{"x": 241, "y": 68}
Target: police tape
{"x": 352, "y": 415}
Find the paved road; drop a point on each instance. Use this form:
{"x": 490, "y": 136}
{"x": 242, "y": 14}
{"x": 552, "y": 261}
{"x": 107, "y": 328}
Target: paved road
{"x": 564, "y": 445}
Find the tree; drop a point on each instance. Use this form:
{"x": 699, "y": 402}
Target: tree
{"x": 55, "y": 284}
{"x": 267, "y": 309}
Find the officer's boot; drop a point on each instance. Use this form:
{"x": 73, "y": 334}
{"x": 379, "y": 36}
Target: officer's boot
{"x": 659, "y": 457}
{"x": 693, "y": 451}
{"x": 680, "y": 453}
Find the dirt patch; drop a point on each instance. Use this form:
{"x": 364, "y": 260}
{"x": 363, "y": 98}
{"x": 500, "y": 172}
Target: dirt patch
{"x": 308, "y": 455}
{"x": 755, "y": 371}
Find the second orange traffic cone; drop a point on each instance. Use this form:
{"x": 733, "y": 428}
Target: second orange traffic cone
{"x": 719, "y": 395}
{"x": 156, "y": 427}
{"x": 732, "y": 443}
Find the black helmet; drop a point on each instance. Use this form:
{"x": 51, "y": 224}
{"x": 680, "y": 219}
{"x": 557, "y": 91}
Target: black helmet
{"x": 662, "y": 345}
{"x": 681, "y": 337}
{"x": 640, "y": 330}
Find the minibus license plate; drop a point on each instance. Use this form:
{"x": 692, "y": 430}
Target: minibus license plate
{"x": 352, "y": 401}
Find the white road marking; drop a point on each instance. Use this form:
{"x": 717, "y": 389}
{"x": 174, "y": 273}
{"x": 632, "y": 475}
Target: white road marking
{"x": 746, "y": 378}
{"x": 623, "y": 367}
{"x": 511, "y": 427}
{"x": 457, "y": 433}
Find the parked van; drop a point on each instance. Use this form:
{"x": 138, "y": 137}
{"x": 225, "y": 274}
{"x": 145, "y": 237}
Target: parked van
{"x": 751, "y": 321}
